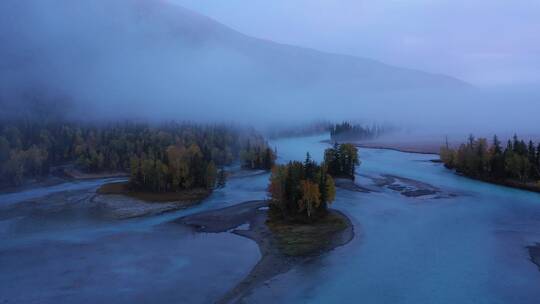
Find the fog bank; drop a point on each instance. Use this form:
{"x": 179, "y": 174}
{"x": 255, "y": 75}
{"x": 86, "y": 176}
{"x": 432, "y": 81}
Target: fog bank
{"x": 154, "y": 60}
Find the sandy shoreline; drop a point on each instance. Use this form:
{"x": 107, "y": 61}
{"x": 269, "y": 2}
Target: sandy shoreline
{"x": 405, "y": 147}
{"x": 273, "y": 262}
{"x": 59, "y": 175}
{"x": 412, "y": 148}
{"x": 121, "y": 207}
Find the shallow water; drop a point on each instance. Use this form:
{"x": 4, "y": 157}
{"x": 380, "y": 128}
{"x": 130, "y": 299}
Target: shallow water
{"x": 465, "y": 249}
{"x": 55, "y": 248}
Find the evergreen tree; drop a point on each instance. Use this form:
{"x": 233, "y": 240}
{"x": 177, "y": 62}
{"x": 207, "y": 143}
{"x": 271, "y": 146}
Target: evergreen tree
{"x": 221, "y": 178}
{"x": 309, "y": 167}
{"x": 519, "y": 161}
{"x": 509, "y": 147}
{"x": 538, "y": 156}
{"x": 497, "y": 150}
{"x": 341, "y": 160}
{"x": 497, "y": 159}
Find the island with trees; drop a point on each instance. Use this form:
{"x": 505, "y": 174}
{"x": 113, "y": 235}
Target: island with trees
{"x": 516, "y": 165}
{"x": 313, "y": 128}
{"x": 342, "y": 160}
{"x": 293, "y": 226}
{"x": 347, "y": 131}
{"x": 300, "y": 193}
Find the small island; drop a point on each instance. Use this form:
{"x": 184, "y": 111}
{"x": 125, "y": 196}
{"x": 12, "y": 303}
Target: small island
{"x": 347, "y": 131}
{"x": 294, "y": 225}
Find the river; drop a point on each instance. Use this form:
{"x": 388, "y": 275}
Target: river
{"x": 465, "y": 244}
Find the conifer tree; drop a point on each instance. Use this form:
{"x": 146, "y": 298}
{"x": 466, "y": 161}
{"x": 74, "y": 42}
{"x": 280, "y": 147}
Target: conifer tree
{"x": 221, "y": 178}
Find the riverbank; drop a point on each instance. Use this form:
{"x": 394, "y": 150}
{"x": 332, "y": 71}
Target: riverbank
{"x": 79, "y": 175}
{"x": 120, "y": 203}
{"x": 350, "y": 185}
{"x": 121, "y": 188}
{"x": 406, "y": 147}
{"x": 58, "y": 175}
{"x": 430, "y": 150}
{"x": 531, "y": 186}
{"x": 28, "y": 184}
{"x": 282, "y": 245}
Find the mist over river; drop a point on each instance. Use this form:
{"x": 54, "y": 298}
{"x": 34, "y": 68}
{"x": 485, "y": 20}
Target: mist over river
{"x": 463, "y": 243}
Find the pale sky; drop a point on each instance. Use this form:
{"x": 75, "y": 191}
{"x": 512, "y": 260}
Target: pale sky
{"x": 485, "y": 42}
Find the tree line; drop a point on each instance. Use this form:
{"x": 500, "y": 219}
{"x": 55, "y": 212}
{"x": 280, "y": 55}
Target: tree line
{"x": 519, "y": 161}
{"x": 348, "y": 131}
{"x": 175, "y": 167}
{"x": 164, "y": 157}
{"x": 302, "y": 191}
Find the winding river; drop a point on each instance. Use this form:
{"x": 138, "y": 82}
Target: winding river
{"x": 464, "y": 243}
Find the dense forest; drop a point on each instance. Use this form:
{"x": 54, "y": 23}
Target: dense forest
{"x": 518, "y": 162}
{"x": 347, "y": 131}
{"x": 257, "y": 155}
{"x": 300, "y": 191}
{"x": 164, "y": 157}
{"x": 342, "y": 160}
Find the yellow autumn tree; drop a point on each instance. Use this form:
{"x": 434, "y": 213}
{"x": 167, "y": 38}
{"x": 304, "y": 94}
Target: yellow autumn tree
{"x": 311, "y": 197}
{"x": 276, "y": 188}
{"x": 330, "y": 189}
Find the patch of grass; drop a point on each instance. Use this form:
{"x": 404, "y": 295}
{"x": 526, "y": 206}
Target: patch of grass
{"x": 295, "y": 239}
{"x": 193, "y": 195}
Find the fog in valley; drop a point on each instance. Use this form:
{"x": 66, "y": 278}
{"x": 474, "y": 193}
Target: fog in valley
{"x": 156, "y": 60}
{"x": 250, "y": 151}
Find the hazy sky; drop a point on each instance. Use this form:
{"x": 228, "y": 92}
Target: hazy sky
{"x": 485, "y": 42}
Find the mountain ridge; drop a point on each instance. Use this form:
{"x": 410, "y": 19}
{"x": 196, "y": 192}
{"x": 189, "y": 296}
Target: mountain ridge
{"x": 116, "y": 57}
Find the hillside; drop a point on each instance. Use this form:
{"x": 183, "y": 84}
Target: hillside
{"x": 123, "y": 55}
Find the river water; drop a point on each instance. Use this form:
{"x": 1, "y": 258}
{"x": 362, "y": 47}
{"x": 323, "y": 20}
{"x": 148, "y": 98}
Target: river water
{"x": 465, "y": 246}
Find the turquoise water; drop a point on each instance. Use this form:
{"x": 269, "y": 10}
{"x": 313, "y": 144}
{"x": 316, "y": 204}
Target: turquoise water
{"x": 465, "y": 249}
{"x": 56, "y": 248}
